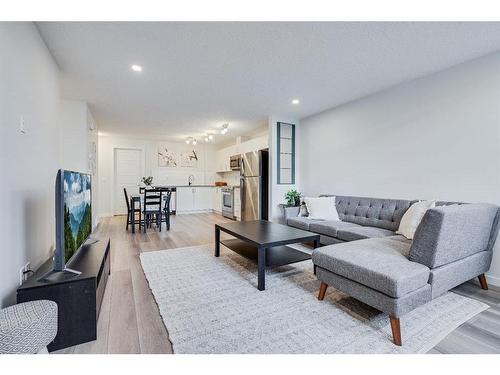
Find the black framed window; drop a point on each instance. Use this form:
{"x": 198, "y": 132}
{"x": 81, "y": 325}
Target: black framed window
{"x": 286, "y": 153}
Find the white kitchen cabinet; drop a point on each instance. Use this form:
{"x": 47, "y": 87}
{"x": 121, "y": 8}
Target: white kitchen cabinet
{"x": 202, "y": 198}
{"x": 185, "y": 199}
{"x": 193, "y": 199}
{"x": 217, "y": 200}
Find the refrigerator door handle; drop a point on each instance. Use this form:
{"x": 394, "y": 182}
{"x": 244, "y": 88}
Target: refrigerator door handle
{"x": 242, "y": 197}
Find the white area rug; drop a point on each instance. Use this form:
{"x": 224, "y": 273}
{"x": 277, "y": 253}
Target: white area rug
{"x": 211, "y": 305}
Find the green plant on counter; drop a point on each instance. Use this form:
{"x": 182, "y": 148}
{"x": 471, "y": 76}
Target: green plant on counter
{"x": 293, "y": 197}
{"x": 147, "y": 180}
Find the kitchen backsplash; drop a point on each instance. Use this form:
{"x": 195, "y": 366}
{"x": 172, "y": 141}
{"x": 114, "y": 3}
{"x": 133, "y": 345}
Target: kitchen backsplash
{"x": 163, "y": 176}
{"x": 232, "y": 178}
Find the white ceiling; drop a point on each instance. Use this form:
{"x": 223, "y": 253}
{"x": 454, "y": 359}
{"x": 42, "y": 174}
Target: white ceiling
{"x": 199, "y": 75}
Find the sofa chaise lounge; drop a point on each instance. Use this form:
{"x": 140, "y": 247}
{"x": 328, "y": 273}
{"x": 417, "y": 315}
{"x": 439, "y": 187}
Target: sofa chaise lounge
{"x": 367, "y": 260}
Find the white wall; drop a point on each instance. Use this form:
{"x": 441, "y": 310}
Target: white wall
{"x": 204, "y": 173}
{"x": 92, "y": 144}
{"x": 29, "y": 87}
{"x": 76, "y": 140}
{"x": 433, "y": 138}
{"x": 277, "y": 192}
{"x": 73, "y": 125}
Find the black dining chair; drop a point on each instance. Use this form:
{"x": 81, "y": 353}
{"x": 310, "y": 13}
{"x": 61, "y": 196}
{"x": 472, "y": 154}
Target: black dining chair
{"x": 152, "y": 209}
{"x": 166, "y": 209}
{"x": 131, "y": 211}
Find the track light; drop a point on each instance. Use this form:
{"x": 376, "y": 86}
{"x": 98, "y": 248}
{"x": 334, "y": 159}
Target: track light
{"x": 224, "y": 128}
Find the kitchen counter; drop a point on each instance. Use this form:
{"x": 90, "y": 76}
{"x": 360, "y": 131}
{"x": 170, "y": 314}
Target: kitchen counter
{"x": 185, "y": 186}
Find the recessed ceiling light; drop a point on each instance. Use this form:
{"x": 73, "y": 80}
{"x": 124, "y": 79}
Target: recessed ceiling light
{"x": 295, "y": 101}
{"x": 136, "y": 68}
{"x": 210, "y": 137}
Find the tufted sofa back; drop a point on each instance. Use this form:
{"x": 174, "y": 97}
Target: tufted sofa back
{"x": 374, "y": 212}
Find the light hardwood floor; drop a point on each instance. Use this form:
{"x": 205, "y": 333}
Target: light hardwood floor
{"x": 130, "y": 322}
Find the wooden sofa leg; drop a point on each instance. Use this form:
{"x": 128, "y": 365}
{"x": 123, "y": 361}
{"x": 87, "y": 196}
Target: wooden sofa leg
{"x": 482, "y": 281}
{"x": 322, "y": 291}
{"x": 396, "y": 330}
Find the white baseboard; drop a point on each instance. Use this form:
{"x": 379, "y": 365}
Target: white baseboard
{"x": 493, "y": 280}
{"x": 102, "y": 216}
{"x": 192, "y": 212}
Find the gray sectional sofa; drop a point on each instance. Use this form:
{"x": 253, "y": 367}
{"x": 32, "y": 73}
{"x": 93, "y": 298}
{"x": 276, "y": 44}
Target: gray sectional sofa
{"x": 366, "y": 259}
{"x": 361, "y": 218}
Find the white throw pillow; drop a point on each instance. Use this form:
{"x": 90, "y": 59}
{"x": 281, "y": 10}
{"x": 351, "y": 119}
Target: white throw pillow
{"x": 412, "y": 218}
{"x": 322, "y": 208}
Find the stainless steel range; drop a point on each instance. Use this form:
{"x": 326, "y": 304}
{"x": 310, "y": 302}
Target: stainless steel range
{"x": 228, "y": 202}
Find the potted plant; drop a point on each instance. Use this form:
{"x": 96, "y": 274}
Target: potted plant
{"x": 293, "y": 197}
{"x": 148, "y": 181}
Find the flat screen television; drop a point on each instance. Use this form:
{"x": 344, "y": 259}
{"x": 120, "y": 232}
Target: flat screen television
{"x": 73, "y": 216}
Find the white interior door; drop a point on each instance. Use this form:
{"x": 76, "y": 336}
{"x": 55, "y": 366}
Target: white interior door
{"x": 128, "y": 174}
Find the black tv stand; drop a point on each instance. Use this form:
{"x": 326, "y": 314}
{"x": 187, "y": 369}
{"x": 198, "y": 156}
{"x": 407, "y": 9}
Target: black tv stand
{"x": 78, "y": 297}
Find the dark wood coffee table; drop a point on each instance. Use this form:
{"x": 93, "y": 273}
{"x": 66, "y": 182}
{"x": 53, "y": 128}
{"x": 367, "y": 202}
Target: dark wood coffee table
{"x": 264, "y": 242}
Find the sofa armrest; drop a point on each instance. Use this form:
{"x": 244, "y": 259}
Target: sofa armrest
{"x": 291, "y": 212}
{"x": 450, "y": 233}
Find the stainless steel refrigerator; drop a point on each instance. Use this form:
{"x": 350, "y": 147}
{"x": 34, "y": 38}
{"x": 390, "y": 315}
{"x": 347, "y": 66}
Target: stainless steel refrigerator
{"x": 254, "y": 185}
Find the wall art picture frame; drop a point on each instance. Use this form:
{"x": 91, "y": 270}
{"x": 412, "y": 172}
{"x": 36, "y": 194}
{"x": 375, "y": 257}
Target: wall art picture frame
{"x": 166, "y": 158}
{"x": 189, "y": 159}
